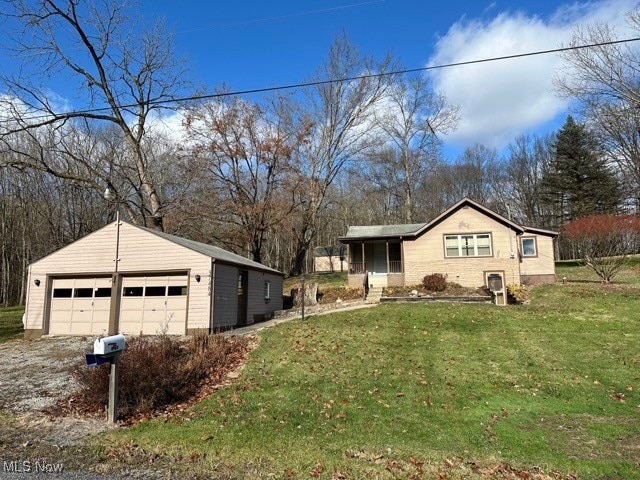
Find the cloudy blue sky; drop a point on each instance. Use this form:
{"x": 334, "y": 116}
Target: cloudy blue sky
{"x": 255, "y": 44}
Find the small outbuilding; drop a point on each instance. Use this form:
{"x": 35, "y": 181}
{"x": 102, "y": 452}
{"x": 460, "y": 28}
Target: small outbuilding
{"x": 129, "y": 279}
{"x": 332, "y": 258}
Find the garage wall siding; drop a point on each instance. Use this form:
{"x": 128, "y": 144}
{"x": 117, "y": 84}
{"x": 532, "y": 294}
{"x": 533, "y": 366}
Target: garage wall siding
{"x": 257, "y": 308}
{"x": 225, "y": 291}
{"x": 140, "y": 251}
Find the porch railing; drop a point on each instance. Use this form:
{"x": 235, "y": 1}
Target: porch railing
{"x": 395, "y": 266}
{"x": 356, "y": 268}
{"x": 359, "y": 267}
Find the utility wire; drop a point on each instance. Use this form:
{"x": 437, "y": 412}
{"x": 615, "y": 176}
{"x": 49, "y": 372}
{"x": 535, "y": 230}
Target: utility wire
{"x": 279, "y": 17}
{"x": 339, "y": 80}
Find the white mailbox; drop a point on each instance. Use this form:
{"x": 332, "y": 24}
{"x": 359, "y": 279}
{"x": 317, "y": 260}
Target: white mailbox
{"x": 107, "y": 345}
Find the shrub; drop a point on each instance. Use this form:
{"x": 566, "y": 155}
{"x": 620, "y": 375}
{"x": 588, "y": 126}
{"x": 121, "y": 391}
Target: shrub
{"x": 436, "y": 282}
{"x": 332, "y": 294}
{"x": 518, "y": 293}
{"x": 604, "y": 241}
{"x": 156, "y": 372}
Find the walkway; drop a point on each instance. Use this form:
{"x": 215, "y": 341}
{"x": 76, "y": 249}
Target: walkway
{"x": 270, "y": 323}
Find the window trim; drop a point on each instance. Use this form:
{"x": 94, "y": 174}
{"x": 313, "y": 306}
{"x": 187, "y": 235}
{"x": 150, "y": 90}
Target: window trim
{"x": 459, "y": 236}
{"x": 535, "y": 247}
{"x": 267, "y": 291}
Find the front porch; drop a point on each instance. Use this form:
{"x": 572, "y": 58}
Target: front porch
{"x": 375, "y": 263}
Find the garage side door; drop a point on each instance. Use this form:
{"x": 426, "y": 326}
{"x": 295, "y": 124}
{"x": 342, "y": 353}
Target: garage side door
{"x": 80, "y": 306}
{"x": 154, "y": 304}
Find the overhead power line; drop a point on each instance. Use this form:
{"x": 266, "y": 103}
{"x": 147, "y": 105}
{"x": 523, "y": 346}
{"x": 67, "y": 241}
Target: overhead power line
{"x": 280, "y": 17}
{"x": 341, "y": 80}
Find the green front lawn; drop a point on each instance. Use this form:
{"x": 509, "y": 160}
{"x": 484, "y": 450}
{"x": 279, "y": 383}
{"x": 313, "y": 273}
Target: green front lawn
{"x": 575, "y": 271}
{"x": 11, "y": 323}
{"x": 414, "y": 391}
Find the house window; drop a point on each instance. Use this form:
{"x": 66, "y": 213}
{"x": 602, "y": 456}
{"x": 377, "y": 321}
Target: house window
{"x": 267, "y": 291}
{"x": 473, "y": 245}
{"x": 529, "y": 247}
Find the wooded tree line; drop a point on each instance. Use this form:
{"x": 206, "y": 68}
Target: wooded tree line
{"x": 271, "y": 177}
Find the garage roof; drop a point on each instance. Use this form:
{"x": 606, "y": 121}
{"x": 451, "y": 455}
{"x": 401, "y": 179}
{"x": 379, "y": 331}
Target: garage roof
{"x": 216, "y": 253}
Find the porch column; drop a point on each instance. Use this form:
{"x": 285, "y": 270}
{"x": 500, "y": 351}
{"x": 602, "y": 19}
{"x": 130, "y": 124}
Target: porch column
{"x": 401, "y": 256}
{"x": 348, "y": 259}
{"x": 388, "y": 269}
{"x": 364, "y": 267}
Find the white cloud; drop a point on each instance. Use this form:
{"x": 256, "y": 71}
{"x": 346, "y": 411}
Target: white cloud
{"x": 168, "y": 124}
{"x": 499, "y": 100}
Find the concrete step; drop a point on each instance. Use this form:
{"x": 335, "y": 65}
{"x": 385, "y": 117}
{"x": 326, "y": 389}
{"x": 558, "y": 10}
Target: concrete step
{"x": 374, "y": 295}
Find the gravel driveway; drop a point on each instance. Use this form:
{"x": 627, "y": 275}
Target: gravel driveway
{"x": 33, "y": 375}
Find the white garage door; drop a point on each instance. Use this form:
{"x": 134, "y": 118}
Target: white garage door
{"x": 153, "y": 305}
{"x": 80, "y": 306}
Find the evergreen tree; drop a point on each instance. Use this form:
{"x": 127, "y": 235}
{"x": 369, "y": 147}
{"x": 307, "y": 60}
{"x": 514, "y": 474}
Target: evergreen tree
{"x": 579, "y": 181}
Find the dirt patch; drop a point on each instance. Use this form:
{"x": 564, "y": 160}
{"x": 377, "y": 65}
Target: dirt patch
{"x": 575, "y": 436}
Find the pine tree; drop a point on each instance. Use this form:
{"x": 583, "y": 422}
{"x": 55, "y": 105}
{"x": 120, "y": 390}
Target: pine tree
{"x": 579, "y": 181}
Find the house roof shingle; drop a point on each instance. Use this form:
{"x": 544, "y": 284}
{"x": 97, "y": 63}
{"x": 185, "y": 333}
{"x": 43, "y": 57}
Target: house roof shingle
{"x": 416, "y": 229}
{"x": 382, "y": 231}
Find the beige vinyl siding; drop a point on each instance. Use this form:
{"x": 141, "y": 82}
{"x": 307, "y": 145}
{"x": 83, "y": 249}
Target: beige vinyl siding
{"x": 140, "y": 251}
{"x": 325, "y": 264}
{"x": 543, "y": 263}
{"x": 225, "y": 291}
{"x": 426, "y": 254}
{"x": 257, "y": 308}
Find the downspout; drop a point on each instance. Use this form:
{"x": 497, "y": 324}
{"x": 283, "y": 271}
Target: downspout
{"x": 512, "y": 254}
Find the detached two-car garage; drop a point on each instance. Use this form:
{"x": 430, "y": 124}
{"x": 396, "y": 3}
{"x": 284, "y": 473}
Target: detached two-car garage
{"x": 129, "y": 279}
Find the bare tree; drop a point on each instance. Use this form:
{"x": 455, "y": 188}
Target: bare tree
{"x": 606, "y": 81}
{"x": 245, "y": 152}
{"x": 529, "y": 158}
{"x": 340, "y": 116}
{"x": 412, "y": 115}
{"x": 472, "y": 174}
{"x": 124, "y": 76}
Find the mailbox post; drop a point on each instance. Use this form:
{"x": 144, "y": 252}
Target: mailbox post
{"x": 108, "y": 349}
